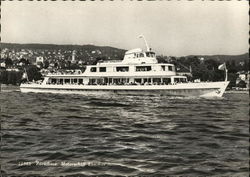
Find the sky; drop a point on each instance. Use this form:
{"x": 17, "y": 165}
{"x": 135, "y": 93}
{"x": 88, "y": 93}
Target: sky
{"x": 173, "y": 28}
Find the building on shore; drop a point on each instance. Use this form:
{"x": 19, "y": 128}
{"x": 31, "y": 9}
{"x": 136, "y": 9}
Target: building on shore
{"x": 39, "y": 59}
{"x": 243, "y": 79}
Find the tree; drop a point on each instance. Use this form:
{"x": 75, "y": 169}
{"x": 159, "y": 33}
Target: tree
{"x": 8, "y": 62}
{"x": 40, "y": 64}
{"x": 232, "y": 68}
{"x": 27, "y": 62}
{"x": 19, "y": 77}
{"x": 3, "y": 76}
{"x": 194, "y": 61}
{"x": 160, "y": 59}
{"x": 23, "y": 60}
{"x": 246, "y": 65}
{"x": 232, "y": 78}
{"x": 211, "y": 64}
{"x": 200, "y": 71}
{"x": 219, "y": 75}
{"x": 12, "y": 78}
{"x": 68, "y": 64}
{"x": 46, "y": 64}
{"x": 56, "y": 65}
{"x": 242, "y": 84}
{"x": 33, "y": 73}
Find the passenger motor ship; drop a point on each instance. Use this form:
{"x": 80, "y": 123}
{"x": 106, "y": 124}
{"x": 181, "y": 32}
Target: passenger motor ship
{"x": 139, "y": 73}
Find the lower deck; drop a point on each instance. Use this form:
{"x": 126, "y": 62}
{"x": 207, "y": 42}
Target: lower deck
{"x": 181, "y": 89}
{"x": 116, "y": 80}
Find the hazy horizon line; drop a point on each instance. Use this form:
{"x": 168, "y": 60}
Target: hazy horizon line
{"x": 247, "y": 52}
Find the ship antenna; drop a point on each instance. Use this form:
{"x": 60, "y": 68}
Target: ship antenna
{"x": 141, "y": 36}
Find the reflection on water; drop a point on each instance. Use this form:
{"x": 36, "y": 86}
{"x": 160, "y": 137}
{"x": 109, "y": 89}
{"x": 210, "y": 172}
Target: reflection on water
{"x": 58, "y": 134}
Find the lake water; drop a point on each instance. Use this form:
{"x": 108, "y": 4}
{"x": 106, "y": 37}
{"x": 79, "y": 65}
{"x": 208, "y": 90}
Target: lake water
{"x": 67, "y": 135}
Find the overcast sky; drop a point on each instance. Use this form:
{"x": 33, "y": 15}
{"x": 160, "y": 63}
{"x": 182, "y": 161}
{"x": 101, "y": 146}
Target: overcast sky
{"x": 174, "y": 28}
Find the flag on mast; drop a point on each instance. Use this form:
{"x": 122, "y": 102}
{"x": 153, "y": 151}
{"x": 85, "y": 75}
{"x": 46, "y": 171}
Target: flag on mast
{"x": 222, "y": 67}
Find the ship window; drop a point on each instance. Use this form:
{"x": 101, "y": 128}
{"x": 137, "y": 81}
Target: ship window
{"x": 183, "y": 80}
{"x": 143, "y": 68}
{"x": 170, "y": 68}
{"x": 102, "y": 69}
{"x": 146, "y": 80}
{"x": 141, "y": 55}
{"x": 138, "y": 80}
{"x": 105, "y": 80}
{"x": 180, "y": 80}
{"x": 92, "y": 81}
{"x": 176, "y": 80}
{"x": 93, "y": 69}
{"x": 150, "y": 54}
{"x": 166, "y": 80}
{"x": 109, "y": 80}
{"x": 116, "y": 81}
{"x": 156, "y": 80}
{"x": 74, "y": 80}
{"x": 80, "y": 81}
{"x": 53, "y": 81}
{"x": 67, "y": 81}
{"x": 100, "y": 81}
{"x": 163, "y": 67}
{"x": 122, "y": 69}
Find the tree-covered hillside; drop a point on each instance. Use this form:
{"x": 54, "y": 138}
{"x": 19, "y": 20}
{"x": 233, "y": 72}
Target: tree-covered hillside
{"x": 59, "y": 57}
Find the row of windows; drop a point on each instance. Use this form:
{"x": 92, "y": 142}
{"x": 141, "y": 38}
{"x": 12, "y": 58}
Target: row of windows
{"x": 143, "y": 68}
{"x": 122, "y": 69}
{"x": 148, "y": 54}
{"x": 127, "y": 81}
{"x": 154, "y": 80}
{"x": 170, "y": 68}
{"x": 101, "y": 69}
{"x": 126, "y": 68}
{"x": 65, "y": 81}
{"x": 118, "y": 81}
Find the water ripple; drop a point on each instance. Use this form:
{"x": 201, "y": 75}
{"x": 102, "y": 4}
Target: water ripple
{"x": 124, "y": 135}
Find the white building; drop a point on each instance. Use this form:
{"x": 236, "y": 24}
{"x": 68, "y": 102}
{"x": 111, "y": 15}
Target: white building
{"x": 39, "y": 59}
{"x": 73, "y": 60}
{"x": 243, "y": 76}
{"x": 3, "y": 65}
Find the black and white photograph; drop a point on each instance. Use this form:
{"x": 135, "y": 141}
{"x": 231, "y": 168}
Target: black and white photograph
{"x": 124, "y": 88}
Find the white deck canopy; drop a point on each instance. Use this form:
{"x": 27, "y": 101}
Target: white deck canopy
{"x": 138, "y": 56}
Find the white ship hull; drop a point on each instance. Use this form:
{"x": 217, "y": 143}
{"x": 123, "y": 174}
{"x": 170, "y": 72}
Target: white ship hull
{"x": 139, "y": 73}
{"x": 203, "y": 89}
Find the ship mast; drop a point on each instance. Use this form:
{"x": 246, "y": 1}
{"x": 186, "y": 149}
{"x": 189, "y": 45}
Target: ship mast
{"x": 141, "y": 36}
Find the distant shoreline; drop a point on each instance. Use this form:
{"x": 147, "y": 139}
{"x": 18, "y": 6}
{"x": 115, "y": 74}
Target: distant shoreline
{"x": 237, "y": 91}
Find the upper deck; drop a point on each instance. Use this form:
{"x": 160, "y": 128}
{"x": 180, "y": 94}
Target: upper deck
{"x": 138, "y": 56}
{"x": 136, "y": 62}
{"x": 134, "y": 56}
